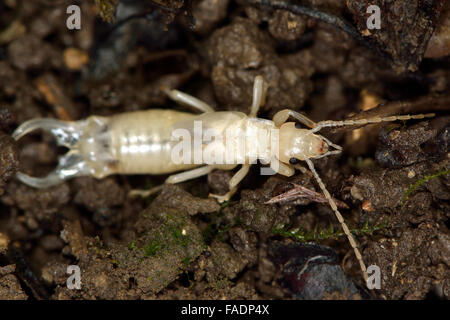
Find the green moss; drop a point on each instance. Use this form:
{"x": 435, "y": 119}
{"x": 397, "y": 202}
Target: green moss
{"x": 208, "y": 233}
{"x": 214, "y": 228}
{"x": 151, "y": 249}
{"x": 117, "y": 263}
{"x": 416, "y": 185}
{"x": 186, "y": 262}
{"x": 168, "y": 242}
{"x": 225, "y": 204}
{"x": 248, "y": 205}
{"x": 107, "y": 9}
{"x": 99, "y": 243}
{"x": 177, "y": 234}
{"x": 222, "y": 283}
{"x": 324, "y": 234}
{"x": 172, "y": 235}
{"x": 221, "y": 231}
{"x": 361, "y": 163}
{"x": 217, "y": 229}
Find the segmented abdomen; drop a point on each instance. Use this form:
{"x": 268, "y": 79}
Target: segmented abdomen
{"x": 140, "y": 142}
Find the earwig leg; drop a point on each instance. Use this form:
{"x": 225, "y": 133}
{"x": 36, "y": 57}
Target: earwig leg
{"x": 234, "y": 182}
{"x": 281, "y": 168}
{"x": 189, "y": 175}
{"x": 333, "y": 205}
{"x": 189, "y": 100}
{"x": 239, "y": 176}
{"x": 259, "y": 95}
{"x": 282, "y": 116}
{"x": 331, "y": 123}
{"x": 173, "y": 179}
{"x": 145, "y": 193}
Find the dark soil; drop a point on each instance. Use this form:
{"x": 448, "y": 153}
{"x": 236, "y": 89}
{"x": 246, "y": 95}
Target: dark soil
{"x": 392, "y": 178}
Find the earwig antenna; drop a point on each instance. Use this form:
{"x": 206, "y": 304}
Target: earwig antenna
{"x": 347, "y": 232}
{"x": 333, "y": 123}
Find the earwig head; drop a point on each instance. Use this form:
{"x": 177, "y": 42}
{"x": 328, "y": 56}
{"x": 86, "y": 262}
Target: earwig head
{"x": 66, "y": 134}
{"x": 299, "y": 144}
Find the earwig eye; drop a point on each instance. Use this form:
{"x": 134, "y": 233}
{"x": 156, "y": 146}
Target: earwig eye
{"x": 298, "y": 125}
{"x": 293, "y": 161}
{"x": 322, "y": 147}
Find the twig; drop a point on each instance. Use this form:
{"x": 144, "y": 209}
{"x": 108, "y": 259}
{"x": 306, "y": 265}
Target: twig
{"x": 147, "y": 14}
{"x": 313, "y": 13}
{"x": 54, "y": 96}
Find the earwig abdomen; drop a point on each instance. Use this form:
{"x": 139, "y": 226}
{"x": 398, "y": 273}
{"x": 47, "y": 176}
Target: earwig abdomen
{"x": 132, "y": 143}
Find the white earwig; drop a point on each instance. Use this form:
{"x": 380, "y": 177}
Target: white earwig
{"x": 141, "y": 143}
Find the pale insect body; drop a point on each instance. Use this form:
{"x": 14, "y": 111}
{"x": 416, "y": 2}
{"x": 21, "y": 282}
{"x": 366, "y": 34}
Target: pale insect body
{"x": 230, "y": 137}
{"x": 142, "y": 143}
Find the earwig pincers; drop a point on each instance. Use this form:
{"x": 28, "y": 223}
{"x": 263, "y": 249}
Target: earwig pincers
{"x": 142, "y": 142}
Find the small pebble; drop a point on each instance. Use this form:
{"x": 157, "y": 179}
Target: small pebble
{"x": 75, "y": 59}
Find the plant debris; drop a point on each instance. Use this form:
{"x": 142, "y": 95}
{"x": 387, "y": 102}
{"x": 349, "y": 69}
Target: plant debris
{"x": 298, "y": 191}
